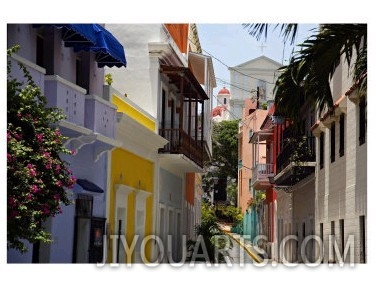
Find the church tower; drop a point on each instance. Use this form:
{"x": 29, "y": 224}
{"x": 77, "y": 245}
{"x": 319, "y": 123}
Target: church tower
{"x": 221, "y": 111}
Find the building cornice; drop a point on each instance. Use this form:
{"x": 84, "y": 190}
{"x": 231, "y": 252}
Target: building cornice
{"x": 136, "y": 138}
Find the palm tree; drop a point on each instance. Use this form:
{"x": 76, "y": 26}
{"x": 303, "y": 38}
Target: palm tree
{"x": 310, "y": 69}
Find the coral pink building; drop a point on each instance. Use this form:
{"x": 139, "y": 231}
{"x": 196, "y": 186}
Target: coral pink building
{"x": 250, "y": 123}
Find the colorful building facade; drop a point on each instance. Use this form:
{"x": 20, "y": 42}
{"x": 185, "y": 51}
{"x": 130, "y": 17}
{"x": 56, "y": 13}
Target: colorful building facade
{"x": 251, "y": 122}
{"x": 172, "y": 81}
{"x": 64, "y": 61}
{"x": 133, "y": 185}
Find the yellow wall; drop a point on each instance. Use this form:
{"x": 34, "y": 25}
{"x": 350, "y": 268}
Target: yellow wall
{"x": 134, "y": 171}
{"x": 130, "y": 169}
{"x": 132, "y": 112}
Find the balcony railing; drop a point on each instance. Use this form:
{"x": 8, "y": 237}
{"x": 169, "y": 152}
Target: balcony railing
{"x": 182, "y": 143}
{"x": 296, "y": 152}
{"x": 262, "y": 172}
{"x": 67, "y": 96}
{"x": 36, "y": 72}
{"x": 100, "y": 116}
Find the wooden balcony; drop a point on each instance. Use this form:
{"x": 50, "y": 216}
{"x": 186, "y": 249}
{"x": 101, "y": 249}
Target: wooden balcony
{"x": 182, "y": 143}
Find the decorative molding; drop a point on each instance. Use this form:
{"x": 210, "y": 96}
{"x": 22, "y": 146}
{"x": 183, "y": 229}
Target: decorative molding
{"x": 162, "y": 49}
{"x": 136, "y": 137}
{"x": 142, "y": 195}
{"x": 74, "y": 127}
{"x": 121, "y": 188}
{"x": 76, "y": 143}
{"x": 110, "y": 144}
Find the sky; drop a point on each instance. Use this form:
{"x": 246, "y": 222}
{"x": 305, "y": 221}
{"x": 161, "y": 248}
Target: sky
{"x": 230, "y": 44}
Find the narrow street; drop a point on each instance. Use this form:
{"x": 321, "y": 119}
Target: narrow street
{"x": 238, "y": 255}
{"x": 238, "y": 252}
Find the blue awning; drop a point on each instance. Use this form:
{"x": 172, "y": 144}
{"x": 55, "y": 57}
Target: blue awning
{"x": 93, "y": 37}
{"x": 74, "y": 34}
{"x": 109, "y": 51}
{"x": 85, "y": 185}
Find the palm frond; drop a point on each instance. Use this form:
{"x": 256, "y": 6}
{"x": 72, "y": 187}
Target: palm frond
{"x": 310, "y": 69}
{"x": 287, "y": 31}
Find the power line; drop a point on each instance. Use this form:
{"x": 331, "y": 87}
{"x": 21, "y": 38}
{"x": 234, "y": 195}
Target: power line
{"x": 249, "y": 91}
{"x": 231, "y": 68}
{"x": 220, "y": 61}
{"x": 236, "y": 86}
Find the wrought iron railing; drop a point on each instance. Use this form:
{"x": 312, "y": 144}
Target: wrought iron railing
{"x": 298, "y": 149}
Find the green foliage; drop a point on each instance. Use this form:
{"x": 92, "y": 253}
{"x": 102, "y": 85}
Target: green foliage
{"x": 310, "y": 68}
{"x": 224, "y": 160}
{"x": 288, "y": 31}
{"x": 36, "y": 175}
{"x": 225, "y": 148}
{"x": 360, "y": 71}
{"x": 108, "y": 79}
{"x": 210, "y": 231}
{"x": 230, "y": 214}
{"x": 232, "y": 193}
{"x": 256, "y": 201}
{"x": 300, "y": 149}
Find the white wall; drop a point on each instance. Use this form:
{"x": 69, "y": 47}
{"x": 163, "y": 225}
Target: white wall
{"x": 341, "y": 187}
{"x": 138, "y": 79}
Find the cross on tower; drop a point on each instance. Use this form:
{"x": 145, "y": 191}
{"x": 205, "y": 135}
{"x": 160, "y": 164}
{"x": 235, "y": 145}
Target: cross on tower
{"x": 262, "y": 46}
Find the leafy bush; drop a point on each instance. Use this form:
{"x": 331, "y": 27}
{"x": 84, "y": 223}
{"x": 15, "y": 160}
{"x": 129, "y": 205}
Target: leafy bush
{"x": 36, "y": 175}
{"x": 209, "y": 230}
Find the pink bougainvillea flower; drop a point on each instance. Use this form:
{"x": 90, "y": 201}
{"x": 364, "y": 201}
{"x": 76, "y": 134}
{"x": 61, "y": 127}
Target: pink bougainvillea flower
{"x": 34, "y": 189}
{"x": 59, "y": 183}
{"x": 11, "y": 201}
{"x": 40, "y": 137}
{"x": 17, "y": 136}
{"x": 46, "y": 210}
{"x": 32, "y": 171}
